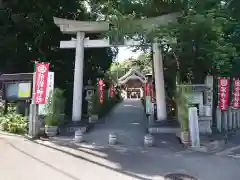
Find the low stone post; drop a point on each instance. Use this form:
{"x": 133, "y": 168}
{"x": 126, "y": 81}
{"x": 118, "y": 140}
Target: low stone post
{"x": 148, "y": 140}
{"x": 78, "y": 138}
{"x": 112, "y": 139}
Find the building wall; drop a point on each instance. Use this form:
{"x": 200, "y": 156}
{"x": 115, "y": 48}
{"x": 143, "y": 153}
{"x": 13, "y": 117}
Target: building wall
{"x": 134, "y": 84}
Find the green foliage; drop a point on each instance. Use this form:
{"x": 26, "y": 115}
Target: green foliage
{"x": 143, "y": 63}
{"x": 204, "y": 40}
{"x": 1, "y": 109}
{"x": 102, "y": 109}
{"x": 199, "y": 41}
{"x": 13, "y": 123}
{"x": 51, "y": 120}
{"x": 27, "y": 32}
{"x": 143, "y": 8}
{"x": 182, "y": 105}
{"x": 55, "y": 108}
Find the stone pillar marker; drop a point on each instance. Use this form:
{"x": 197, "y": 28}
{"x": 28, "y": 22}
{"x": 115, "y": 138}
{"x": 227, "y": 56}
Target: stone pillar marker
{"x": 159, "y": 83}
{"x": 78, "y": 78}
{"x": 193, "y": 127}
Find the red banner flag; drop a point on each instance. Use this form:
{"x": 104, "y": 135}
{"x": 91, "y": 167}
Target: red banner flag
{"x": 236, "y": 93}
{"x": 223, "y": 93}
{"x": 40, "y": 87}
{"x": 101, "y": 90}
{"x": 111, "y": 91}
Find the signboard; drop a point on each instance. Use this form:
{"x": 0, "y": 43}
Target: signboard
{"x": 18, "y": 91}
{"x": 111, "y": 91}
{"x": 101, "y": 91}
{"x": 50, "y": 89}
{"x": 236, "y": 93}
{"x": 24, "y": 90}
{"x": 40, "y": 86}
{"x": 149, "y": 98}
{"x": 223, "y": 93}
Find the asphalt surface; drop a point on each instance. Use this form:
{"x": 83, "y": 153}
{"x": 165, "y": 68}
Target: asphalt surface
{"x": 127, "y": 120}
{"x": 23, "y": 159}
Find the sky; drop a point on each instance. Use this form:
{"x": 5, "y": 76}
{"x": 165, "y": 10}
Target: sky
{"x": 125, "y": 53}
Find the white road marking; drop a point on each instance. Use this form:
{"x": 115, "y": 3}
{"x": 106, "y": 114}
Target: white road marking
{"x": 234, "y": 156}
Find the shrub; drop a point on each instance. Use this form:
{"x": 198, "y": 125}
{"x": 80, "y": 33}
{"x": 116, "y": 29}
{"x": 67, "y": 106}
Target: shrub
{"x": 109, "y": 103}
{"x": 13, "y": 123}
{"x": 182, "y": 105}
{"x": 51, "y": 120}
{"x": 55, "y": 108}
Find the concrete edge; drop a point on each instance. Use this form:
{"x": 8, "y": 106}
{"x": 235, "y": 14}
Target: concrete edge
{"x": 228, "y": 150}
{"x": 209, "y": 147}
{"x": 169, "y": 130}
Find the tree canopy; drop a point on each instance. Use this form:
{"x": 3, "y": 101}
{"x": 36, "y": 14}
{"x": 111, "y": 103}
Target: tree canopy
{"x": 204, "y": 40}
{"x": 142, "y": 63}
{"x": 27, "y": 33}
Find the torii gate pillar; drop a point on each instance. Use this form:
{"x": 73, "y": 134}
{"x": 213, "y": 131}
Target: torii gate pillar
{"x": 78, "y": 78}
{"x": 159, "y": 83}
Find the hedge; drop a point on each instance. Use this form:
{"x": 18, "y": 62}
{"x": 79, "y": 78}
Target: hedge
{"x": 13, "y": 123}
{"x": 108, "y": 103}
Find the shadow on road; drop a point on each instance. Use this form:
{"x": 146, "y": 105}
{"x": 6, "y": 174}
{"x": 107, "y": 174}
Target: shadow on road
{"x": 129, "y": 172}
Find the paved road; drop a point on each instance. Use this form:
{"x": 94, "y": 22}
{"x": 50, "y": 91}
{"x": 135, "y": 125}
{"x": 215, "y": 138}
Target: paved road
{"x": 22, "y": 159}
{"x": 232, "y": 148}
{"x": 127, "y": 120}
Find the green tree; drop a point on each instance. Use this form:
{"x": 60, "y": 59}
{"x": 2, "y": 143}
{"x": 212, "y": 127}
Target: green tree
{"x": 199, "y": 43}
{"x": 143, "y": 63}
{"x": 27, "y": 31}
{"x": 204, "y": 40}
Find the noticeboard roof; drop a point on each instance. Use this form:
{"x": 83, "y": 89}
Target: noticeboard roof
{"x": 17, "y": 77}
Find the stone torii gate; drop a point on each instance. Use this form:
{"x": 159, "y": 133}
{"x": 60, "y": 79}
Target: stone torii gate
{"x": 80, "y": 28}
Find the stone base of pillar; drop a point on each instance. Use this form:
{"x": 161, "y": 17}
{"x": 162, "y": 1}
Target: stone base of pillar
{"x": 70, "y": 128}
